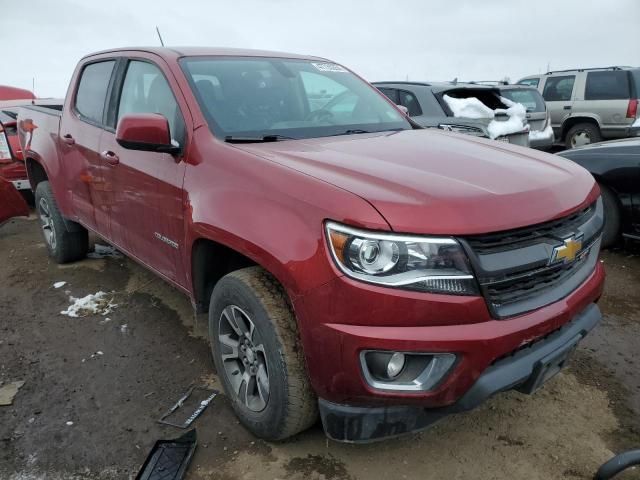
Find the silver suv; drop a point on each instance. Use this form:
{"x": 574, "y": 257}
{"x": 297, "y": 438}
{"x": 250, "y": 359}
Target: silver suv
{"x": 590, "y": 104}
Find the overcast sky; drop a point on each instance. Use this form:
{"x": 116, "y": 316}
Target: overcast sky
{"x": 392, "y": 40}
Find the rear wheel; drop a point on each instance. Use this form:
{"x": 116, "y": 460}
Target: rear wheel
{"x": 63, "y": 244}
{"x": 611, "y": 229}
{"x": 256, "y": 350}
{"x": 582, "y": 134}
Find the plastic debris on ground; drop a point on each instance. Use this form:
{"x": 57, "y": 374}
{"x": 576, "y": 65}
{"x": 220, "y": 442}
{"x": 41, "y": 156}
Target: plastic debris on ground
{"x": 104, "y": 251}
{"x": 198, "y": 397}
{"x": 9, "y": 391}
{"x": 100, "y": 303}
{"x": 169, "y": 459}
{"x": 59, "y": 284}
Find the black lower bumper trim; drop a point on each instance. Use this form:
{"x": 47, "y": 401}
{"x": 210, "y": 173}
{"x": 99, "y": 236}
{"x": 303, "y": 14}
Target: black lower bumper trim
{"x": 525, "y": 371}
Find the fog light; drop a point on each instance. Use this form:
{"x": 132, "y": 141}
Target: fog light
{"x": 395, "y": 365}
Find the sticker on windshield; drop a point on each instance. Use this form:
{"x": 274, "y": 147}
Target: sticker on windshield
{"x": 329, "y": 67}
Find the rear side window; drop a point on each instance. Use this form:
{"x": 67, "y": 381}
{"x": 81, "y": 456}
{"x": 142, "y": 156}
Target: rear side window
{"x": 409, "y": 100}
{"x": 532, "y": 82}
{"x": 92, "y": 90}
{"x": 391, "y": 93}
{"x": 531, "y": 99}
{"x": 559, "y": 89}
{"x": 609, "y": 85}
{"x": 145, "y": 90}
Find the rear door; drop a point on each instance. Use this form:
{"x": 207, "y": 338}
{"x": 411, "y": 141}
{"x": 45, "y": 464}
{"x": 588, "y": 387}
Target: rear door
{"x": 558, "y": 93}
{"x": 607, "y": 94}
{"x": 146, "y": 188}
{"x": 80, "y": 133}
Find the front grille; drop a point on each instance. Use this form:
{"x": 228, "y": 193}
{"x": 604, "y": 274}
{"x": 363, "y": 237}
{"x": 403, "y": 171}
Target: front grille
{"x": 530, "y": 284}
{"x": 515, "y": 267}
{"x": 558, "y": 228}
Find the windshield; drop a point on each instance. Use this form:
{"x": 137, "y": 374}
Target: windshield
{"x": 531, "y": 99}
{"x": 256, "y": 97}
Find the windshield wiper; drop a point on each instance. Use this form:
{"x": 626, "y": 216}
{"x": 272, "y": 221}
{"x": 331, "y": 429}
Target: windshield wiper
{"x": 262, "y": 139}
{"x": 352, "y": 132}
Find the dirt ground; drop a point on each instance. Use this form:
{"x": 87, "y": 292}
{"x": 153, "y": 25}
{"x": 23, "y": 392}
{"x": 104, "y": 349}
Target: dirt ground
{"x": 113, "y": 376}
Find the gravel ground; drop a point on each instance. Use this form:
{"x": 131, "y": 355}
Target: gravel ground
{"x": 95, "y": 386}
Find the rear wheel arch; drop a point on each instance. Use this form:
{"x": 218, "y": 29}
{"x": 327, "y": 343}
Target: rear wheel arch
{"x": 573, "y": 121}
{"x": 36, "y": 172}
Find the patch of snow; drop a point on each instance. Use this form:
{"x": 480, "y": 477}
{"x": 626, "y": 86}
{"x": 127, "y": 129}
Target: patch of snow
{"x": 104, "y": 251}
{"x": 541, "y": 134}
{"x": 473, "y": 108}
{"x": 123, "y": 328}
{"x": 99, "y": 303}
{"x": 468, "y": 107}
{"x": 69, "y": 423}
{"x": 59, "y": 284}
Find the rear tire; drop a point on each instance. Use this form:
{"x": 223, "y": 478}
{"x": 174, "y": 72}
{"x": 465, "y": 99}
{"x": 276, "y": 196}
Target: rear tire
{"x": 611, "y": 229}
{"x": 582, "y": 134}
{"x": 263, "y": 371}
{"x": 62, "y": 244}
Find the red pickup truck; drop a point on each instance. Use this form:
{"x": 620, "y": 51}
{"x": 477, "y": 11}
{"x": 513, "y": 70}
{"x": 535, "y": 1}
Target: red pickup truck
{"x": 352, "y": 264}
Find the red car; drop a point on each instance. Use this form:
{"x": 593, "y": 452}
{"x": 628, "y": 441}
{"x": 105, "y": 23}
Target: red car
{"x": 352, "y": 263}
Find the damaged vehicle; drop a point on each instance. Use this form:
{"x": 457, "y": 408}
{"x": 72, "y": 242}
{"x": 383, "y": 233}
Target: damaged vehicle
{"x": 538, "y": 116}
{"x": 470, "y": 109}
{"x": 312, "y": 220}
{"x": 12, "y": 167}
{"x": 11, "y": 202}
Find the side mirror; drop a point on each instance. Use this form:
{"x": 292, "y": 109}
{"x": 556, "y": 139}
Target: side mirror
{"x": 403, "y": 109}
{"x": 148, "y": 132}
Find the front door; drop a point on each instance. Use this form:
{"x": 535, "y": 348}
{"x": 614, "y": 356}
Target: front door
{"x": 146, "y": 207}
{"x": 558, "y": 94}
{"x": 80, "y": 135}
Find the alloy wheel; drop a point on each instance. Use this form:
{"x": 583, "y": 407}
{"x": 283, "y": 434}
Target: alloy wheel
{"x": 243, "y": 358}
{"x": 46, "y": 223}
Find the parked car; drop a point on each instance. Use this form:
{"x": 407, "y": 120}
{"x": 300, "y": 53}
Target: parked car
{"x": 616, "y": 167}
{"x": 538, "y": 117}
{"x": 433, "y": 270}
{"x": 591, "y": 104}
{"x": 11, "y": 202}
{"x": 12, "y": 167}
{"x": 426, "y": 105}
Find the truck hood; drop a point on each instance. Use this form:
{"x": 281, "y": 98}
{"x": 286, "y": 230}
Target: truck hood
{"x": 434, "y": 182}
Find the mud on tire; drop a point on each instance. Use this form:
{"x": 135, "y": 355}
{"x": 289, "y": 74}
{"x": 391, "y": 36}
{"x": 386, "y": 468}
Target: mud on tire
{"x": 256, "y": 302}
{"x": 64, "y": 244}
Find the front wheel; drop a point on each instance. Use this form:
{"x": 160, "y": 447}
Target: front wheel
{"x": 256, "y": 350}
{"x": 611, "y": 228}
{"x": 63, "y": 244}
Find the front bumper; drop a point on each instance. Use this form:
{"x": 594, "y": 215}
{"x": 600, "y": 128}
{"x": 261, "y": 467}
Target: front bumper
{"x": 524, "y": 370}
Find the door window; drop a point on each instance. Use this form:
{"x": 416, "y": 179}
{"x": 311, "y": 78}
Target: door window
{"x": 532, "y": 82}
{"x": 409, "y": 100}
{"x": 609, "y": 85}
{"x": 559, "y": 89}
{"x": 146, "y": 90}
{"x": 92, "y": 90}
{"x": 391, "y": 93}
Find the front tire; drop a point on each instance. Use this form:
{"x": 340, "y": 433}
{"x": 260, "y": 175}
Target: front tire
{"x": 611, "y": 229}
{"x": 582, "y": 134}
{"x": 256, "y": 350}
{"x": 62, "y": 244}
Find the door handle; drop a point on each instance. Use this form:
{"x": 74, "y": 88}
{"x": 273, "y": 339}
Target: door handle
{"x": 68, "y": 139}
{"x": 110, "y": 157}
{"x": 567, "y": 107}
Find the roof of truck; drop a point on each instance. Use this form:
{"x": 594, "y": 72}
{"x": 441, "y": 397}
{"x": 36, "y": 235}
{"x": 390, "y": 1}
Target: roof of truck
{"x": 177, "y": 52}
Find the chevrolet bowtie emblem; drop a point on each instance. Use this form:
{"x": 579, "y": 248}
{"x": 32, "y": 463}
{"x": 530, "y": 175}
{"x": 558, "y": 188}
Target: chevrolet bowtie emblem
{"x": 569, "y": 251}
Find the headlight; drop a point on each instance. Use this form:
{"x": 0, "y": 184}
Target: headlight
{"x": 427, "y": 264}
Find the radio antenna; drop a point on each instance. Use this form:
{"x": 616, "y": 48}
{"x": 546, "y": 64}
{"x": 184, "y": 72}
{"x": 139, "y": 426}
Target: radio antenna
{"x": 159, "y": 36}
